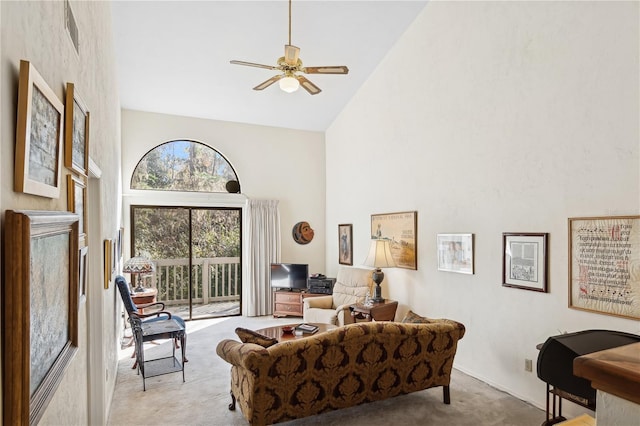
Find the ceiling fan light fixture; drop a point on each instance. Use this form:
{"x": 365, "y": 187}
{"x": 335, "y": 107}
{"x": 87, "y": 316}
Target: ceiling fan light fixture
{"x": 289, "y": 84}
{"x": 290, "y": 65}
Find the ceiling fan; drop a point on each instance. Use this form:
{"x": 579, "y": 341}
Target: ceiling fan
{"x": 290, "y": 65}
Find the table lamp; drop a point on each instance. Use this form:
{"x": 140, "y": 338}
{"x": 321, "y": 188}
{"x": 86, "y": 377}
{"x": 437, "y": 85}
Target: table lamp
{"x": 136, "y": 266}
{"x": 379, "y": 257}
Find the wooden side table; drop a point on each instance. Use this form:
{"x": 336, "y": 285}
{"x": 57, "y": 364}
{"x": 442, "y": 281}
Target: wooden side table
{"x": 383, "y": 311}
{"x": 144, "y": 297}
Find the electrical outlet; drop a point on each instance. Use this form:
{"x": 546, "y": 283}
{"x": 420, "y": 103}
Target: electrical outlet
{"x": 528, "y": 365}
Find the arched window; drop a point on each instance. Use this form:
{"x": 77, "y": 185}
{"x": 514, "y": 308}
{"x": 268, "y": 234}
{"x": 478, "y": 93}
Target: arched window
{"x": 184, "y": 165}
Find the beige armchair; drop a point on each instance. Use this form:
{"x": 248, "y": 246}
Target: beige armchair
{"x": 351, "y": 286}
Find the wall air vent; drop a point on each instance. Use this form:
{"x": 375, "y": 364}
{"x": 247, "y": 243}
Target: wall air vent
{"x": 72, "y": 27}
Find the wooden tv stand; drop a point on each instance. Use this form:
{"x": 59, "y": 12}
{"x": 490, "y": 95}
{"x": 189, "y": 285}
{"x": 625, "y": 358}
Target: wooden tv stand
{"x": 289, "y": 303}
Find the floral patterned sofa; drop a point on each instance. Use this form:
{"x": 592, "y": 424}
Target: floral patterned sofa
{"x": 343, "y": 367}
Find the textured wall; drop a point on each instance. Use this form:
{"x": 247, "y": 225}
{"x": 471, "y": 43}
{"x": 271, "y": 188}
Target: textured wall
{"x": 492, "y": 117}
{"x": 613, "y": 410}
{"x": 271, "y": 163}
{"x": 35, "y": 31}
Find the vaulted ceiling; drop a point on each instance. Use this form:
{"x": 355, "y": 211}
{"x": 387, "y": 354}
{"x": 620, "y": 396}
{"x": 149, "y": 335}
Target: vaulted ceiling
{"x": 173, "y": 56}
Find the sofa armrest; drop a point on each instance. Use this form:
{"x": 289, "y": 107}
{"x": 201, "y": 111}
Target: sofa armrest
{"x": 246, "y": 355}
{"x": 320, "y": 302}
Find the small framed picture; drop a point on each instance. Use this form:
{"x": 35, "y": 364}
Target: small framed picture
{"x": 76, "y": 203}
{"x": 38, "y": 136}
{"x": 76, "y": 140}
{"x": 107, "y": 263}
{"x": 455, "y": 253}
{"x": 345, "y": 245}
{"x": 524, "y": 261}
{"x": 82, "y": 276}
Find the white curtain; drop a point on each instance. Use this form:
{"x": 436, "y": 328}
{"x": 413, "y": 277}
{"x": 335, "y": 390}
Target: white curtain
{"x": 262, "y": 243}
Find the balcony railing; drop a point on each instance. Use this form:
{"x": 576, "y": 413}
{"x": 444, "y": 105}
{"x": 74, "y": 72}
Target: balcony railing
{"x": 216, "y": 279}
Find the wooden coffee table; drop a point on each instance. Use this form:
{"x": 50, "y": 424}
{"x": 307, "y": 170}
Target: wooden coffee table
{"x": 277, "y": 333}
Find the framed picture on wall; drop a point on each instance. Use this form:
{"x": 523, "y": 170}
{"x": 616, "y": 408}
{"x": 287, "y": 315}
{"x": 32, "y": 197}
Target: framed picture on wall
{"x": 455, "y": 253}
{"x": 401, "y": 231}
{"x": 76, "y": 133}
{"x": 524, "y": 261}
{"x": 107, "y": 263}
{"x": 38, "y": 158}
{"x": 604, "y": 265}
{"x": 40, "y": 309}
{"x": 82, "y": 275}
{"x": 76, "y": 203}
{"x": 345, "y": 244}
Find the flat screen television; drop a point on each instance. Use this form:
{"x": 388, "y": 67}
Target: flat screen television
{"x": 292, "y": 276}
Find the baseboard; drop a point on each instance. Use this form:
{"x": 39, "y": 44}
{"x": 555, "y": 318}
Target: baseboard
{"x": 500, "y": 387}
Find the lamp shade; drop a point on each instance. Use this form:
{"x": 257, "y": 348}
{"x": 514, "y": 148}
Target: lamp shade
{"x": 380, "y": 255}
{"x": 289, "y": 84}
{"x": 138, "y": 265}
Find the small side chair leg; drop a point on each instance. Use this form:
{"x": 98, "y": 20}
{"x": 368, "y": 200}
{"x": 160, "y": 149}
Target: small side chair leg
{"x": 446, "y": 394}
{"x": 232, "y": 406}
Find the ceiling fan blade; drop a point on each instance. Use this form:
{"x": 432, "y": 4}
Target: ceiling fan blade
{"x": 308, "y": 86}
{"x": 251, "y": 64}
{"x": 291, "y": 54}
{"x": 268, "y": 83}
{"x": 338, "y": 69}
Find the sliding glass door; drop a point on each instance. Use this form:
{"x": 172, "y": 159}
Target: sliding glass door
{"x": 196, "y": 251}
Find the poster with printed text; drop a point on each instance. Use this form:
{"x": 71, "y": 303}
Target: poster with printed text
{"x": 604, "y": 265}
{"x": 401, "y": 231}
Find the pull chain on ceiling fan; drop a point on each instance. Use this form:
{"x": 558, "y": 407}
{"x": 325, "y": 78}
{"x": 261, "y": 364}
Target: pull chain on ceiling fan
{"x": 290, "y": 65}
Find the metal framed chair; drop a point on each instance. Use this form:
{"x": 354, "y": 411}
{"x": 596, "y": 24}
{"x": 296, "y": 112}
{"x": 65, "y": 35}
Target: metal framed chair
{"x": 148, "y": 331}
{"x": 133, "y": 312}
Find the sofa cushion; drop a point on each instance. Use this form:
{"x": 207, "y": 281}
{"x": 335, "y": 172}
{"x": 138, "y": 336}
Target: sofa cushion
{"x": 413, "y": 318}
{"x": 250, "y": 336}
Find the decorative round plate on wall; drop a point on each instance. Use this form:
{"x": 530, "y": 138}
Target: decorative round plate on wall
{"x": 302, "y": 233}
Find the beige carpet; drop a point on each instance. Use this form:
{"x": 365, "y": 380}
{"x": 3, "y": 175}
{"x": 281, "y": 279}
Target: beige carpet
{"x": 203, "y": 398}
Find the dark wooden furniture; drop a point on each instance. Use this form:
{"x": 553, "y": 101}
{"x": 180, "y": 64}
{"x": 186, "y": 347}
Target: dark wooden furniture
{"x": 277, "y": 333}
{"x": 289, "y": 302}
{"x": 383, "y": 311}
{"x": 155, "y": 330}
{"x": 615, "y": 371}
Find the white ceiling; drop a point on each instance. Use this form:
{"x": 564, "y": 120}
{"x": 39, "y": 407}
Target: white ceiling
{"x": 173, "y": 56}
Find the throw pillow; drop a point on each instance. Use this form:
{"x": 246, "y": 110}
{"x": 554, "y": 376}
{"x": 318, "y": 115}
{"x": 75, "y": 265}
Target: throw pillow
{"x": 250, "y": 336}
{"x": 413, "y": 318}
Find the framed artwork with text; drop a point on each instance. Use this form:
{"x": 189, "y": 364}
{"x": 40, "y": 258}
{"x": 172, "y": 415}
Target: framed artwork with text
{"x": 401, "y": 231}
{"x": 604, "y": 265}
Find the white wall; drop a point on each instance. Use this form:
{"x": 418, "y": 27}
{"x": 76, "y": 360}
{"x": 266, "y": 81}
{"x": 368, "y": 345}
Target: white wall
{"x": 492, "y": 117}
{"x": 271, "y": 163}
{"x": 613, "y": 410}
{"x": 35, "y": 31}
